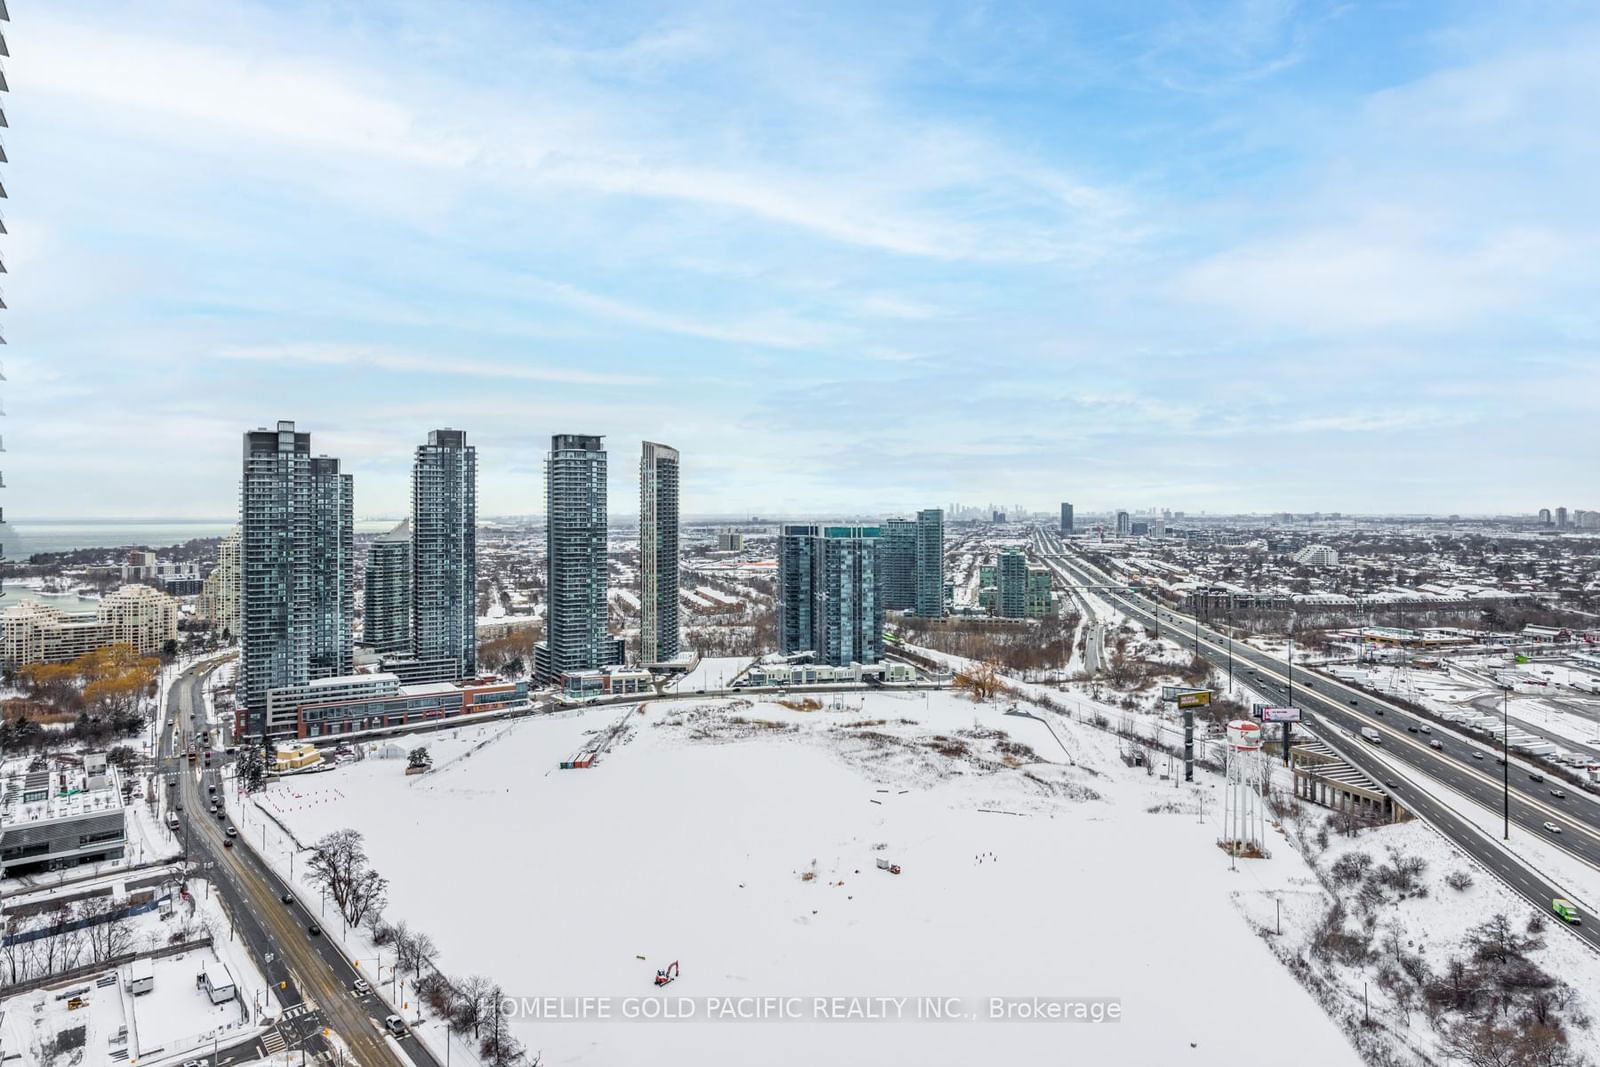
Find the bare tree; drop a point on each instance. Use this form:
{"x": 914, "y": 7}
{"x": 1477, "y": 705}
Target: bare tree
{"x": 339, "y": 864}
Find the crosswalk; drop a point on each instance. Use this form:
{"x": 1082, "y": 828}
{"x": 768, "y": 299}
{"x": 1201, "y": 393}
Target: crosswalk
{"x": 273, "y": 1042}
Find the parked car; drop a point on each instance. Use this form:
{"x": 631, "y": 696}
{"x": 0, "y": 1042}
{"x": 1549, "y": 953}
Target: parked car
{"x": 232, "y": 832}
{"x": 395, "y": 1025}
{"x": 313, "y": 929}
{"x": 361, "y": 988}
{"x": 227, "y": 842}
{"x": 287, "y": 898}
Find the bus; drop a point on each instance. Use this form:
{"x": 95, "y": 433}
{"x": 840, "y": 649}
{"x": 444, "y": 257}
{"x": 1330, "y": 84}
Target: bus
{"x": 172, "y": 821}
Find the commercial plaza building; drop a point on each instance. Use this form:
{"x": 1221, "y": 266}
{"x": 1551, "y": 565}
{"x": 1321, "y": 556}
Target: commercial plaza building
{"x": 297, "y": 572}
{"x": 331, "y": 706}
{"x": 829, "y": 599}
{"x": 386, "y": 592}
{"x": 65, "y": 813}
{"x": 444, "y": 554}
{"x": 575, "y": 559}
{"x": 658, "y": 553}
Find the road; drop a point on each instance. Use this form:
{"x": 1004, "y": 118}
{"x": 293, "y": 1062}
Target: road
{"x": 1349, "y": 710}
{"x": 316, "y": 997}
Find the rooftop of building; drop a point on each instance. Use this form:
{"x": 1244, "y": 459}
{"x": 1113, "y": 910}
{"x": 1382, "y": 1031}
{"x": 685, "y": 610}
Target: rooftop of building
{"x": 65, "y": 785}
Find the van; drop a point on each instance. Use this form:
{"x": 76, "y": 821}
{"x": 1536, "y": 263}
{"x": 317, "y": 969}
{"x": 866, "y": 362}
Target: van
{"x": 1371, "y": 735}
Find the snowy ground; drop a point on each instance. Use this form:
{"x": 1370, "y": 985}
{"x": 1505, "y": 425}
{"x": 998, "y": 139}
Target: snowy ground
{"x": 741, "y": 839}
{"x": 711, "y": 673}
{"x": 174, "y": 1019}
{"x": 1431, "y": 922}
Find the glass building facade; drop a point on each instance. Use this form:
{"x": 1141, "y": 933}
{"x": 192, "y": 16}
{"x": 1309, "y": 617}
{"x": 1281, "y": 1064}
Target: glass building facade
{"x": 444, "y": 554}
{"x": 575, "y": 558}
{"x": 658, "y": 553}
{"x": 297, "y": 577}
{"x": 830, "y": 593}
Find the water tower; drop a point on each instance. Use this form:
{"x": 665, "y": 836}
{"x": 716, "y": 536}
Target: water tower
{"x": 1243, "y": 814}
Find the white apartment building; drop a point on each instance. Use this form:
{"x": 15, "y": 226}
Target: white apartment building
{"x": 220, "y": 597}
{"x": 134, "y": 615}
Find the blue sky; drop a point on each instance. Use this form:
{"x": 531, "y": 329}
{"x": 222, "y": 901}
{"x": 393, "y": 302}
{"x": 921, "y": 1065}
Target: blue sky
{"x": 846, "y": 257}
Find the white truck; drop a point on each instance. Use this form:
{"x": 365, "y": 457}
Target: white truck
{"x": 1371, "y": 735}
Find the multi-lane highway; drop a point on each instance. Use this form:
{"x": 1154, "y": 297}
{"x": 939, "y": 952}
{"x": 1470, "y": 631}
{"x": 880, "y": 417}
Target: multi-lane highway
{"x": 1467, "y": 766}
{"x": 319, "y": 1011}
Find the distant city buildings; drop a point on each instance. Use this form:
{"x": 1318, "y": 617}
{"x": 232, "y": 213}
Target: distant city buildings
{"x": 1561, "y": 518}
{"x": 575, "y": 559}
{"x": 659, "y": 632}
{"x": 296, "y": 568}
{"x": 730, "y": 541}
{"x": 1066, "y": 518}
{"x": 444, "y": 557}
{"x": 1317, "y": 556}
{"x": 1124, "y": 524}
{"x": 220, "y": 596}
{"x": 829, "y": 600}
{"x": 143, "y": 618}
{"x": 386, "y": 592}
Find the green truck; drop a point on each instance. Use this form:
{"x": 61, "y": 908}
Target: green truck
{"x": 1566, "y": 911}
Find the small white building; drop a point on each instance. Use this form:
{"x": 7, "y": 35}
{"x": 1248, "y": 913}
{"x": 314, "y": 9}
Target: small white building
{"x": 217, "y": 981}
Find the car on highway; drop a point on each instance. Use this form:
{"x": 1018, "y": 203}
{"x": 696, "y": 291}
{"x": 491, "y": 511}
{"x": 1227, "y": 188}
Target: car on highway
{"x": 287, "y": 898}
{"x": 1352, "y": 702}
{"x": 211, "y": 787}
{"x": 1536, "y": 778}
{"x": 395, "y": 1025}
{"x": 1426, "y": 729}
{"x": 1392, "y": 785}
{"x": 232, "y": 832}
{"x": 313, "y": 929}
{"x": 1477, "y": 755}
{"x": 1566, "y": 911}
{"x": 1559, "y": 794}
{"x": 227, "y": 842}
{"x": 1411, "y": 729}
{"x": 1377, "y": 711}
{"x": 1436, "y": 743}
{"x": 1552, "y": 827}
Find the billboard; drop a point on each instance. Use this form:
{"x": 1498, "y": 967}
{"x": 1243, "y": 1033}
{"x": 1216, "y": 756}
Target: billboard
{"x": 1280, "y": 714}
{"x": 1178, "y": 692}
{"x": 1198, "y": 699}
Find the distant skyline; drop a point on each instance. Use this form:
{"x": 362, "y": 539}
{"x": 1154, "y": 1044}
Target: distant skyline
{"x": 1257, "y": 256}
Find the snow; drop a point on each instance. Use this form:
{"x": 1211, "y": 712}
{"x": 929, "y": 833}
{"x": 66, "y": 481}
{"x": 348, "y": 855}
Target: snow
{"x": 690, "y": 839}
{"x": 711, "y": 672}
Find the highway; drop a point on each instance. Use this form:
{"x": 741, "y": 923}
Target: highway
{"x": 1330, "y": 703}
{"x": 317, "y": 998}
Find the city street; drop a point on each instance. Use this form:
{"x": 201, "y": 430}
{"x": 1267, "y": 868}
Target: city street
{"x": 320, "y": 1013}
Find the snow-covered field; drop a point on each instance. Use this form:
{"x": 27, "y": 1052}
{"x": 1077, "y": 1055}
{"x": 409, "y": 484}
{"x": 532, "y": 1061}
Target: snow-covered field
{"x": 712, "y": 672}
{"x": 741, "y": 840}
